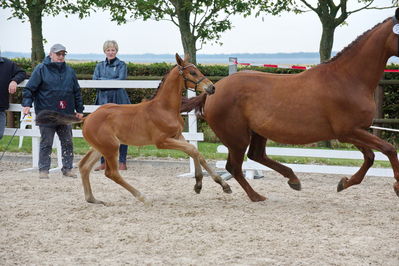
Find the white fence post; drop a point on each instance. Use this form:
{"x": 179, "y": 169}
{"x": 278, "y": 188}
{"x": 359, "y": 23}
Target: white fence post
{"x": 232, "y": 65}
{"x": 192, "y": 128}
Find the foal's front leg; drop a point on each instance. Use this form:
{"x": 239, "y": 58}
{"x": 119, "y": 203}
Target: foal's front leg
{"x": 182, "y": 145}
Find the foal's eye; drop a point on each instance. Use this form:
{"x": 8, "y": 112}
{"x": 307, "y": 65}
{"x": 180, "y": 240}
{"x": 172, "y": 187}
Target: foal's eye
{"x": 193, "y": 73}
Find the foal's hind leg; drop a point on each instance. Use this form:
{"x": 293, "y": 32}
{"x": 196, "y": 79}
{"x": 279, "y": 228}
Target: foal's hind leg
{"x": 85, "y": 166}
{"x": 257, "y": 153}
{"x": 112, "y": 172}
{"x": 182, "y": 145}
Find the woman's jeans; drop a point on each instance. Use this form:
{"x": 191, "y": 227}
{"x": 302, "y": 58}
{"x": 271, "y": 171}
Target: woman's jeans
{"x": 122, "y": 154}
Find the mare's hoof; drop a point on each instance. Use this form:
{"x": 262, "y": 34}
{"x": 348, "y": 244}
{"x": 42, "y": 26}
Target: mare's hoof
{"x": 257, "y": 198}
{"x": 197, "y": 188}
{"x": 227, "y": 190}
{"x": 295, "y": 186}
{"x": 396, "y": 188}
{"x": 342, "y": 184}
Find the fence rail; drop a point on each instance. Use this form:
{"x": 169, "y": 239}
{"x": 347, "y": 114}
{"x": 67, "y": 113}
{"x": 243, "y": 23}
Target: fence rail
{"x": 192, "y": 135}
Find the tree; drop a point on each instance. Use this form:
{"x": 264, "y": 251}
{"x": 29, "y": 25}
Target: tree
{"x": 331, "y": 16}
{"x": 33, "y": 11}
{"x": 199, "y": 21}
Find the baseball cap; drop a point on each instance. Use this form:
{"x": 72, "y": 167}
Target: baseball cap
{"x": 57, "y": 48}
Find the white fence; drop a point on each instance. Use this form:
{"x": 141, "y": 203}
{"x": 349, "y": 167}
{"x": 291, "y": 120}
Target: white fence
{"x": 251, "y": 166}
{"x": 192, "y": 135}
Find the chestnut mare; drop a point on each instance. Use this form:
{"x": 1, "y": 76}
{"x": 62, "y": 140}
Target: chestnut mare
{"x": 156, "y": 121}
{"x": 334, "y": 100}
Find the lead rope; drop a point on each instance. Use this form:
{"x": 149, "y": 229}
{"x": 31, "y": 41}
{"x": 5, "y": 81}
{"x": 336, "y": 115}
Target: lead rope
{"x": 15, "y": 132}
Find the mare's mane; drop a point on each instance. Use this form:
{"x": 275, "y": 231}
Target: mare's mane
{"x": 355, "y": 42}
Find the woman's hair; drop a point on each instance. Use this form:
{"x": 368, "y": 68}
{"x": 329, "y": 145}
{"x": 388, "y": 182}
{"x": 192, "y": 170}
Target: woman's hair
{"x": 109, "y": 44}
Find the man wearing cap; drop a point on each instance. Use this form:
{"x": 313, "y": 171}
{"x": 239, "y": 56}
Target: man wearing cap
{"x": 53, "y": 86}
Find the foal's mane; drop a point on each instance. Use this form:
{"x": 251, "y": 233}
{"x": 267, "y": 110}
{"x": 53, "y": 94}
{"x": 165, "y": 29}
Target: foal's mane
{"x": 160, "y": 84}
{"x": 354, "y": 43}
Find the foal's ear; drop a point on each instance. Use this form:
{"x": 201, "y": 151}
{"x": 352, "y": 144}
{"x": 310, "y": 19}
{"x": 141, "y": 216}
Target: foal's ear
{"x": 179, "y": 61}
{"x": 397, "y": 14}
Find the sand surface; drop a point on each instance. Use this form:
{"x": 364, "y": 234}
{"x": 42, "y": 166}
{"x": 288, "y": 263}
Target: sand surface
{"x": 48, "y": 222}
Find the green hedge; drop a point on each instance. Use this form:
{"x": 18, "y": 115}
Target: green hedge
{"x": 214, "y": 72}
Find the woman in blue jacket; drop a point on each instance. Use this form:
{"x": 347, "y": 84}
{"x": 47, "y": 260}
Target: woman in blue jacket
{"x": 53, "y": 86}
{"x": 112, "y": 68}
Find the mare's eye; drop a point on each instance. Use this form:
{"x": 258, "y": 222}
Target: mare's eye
{"x": 193, "y": 73}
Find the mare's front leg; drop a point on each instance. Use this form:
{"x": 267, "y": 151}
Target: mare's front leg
{"x": 362, "y": 138}
{"x": 234, "y": 166}
{"x": 182, "y": 145}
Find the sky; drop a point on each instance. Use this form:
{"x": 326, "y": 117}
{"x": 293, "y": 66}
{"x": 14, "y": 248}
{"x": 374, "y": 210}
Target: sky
{"x": 268, "y": 34}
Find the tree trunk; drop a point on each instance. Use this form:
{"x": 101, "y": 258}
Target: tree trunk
{"x": 187, "y": 37}
{"x": 35, "y": 19}
{"x": 326, "y": 42}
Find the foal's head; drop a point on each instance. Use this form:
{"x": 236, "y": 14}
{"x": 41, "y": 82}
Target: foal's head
{"x": 193, "y": 78}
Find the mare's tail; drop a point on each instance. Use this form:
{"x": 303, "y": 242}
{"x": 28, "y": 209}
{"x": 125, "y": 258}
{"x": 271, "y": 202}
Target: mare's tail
{"x": 48, "y": 117}
{"x": 194, "y": 103}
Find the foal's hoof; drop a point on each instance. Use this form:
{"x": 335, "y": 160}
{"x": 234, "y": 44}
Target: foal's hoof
{"x": 94, "y": 201}
{"x": 295, "y": 186}
{"x": 227, "y": 189}
{"x": 197, "y": 188}
{"x": 147, "y": 203}
{"x": 342, "y": 184}
{"x": 396, "y": 188}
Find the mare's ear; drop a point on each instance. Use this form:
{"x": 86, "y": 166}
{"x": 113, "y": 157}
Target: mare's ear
{"x": 397, "y": 14}
{"x": 179, "y": 61}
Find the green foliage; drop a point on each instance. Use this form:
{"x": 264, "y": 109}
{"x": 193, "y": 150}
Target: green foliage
{"x": 330, "y": 13}
{"x": 25, "y": 64}
{"x": 155, "y": 69}
{"x": 199, "y": 21}
{"x": 84, "y": 68}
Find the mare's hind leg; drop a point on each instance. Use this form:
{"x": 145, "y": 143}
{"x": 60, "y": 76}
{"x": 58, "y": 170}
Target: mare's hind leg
{"x": 112, "y": 172}
{"x": 362, "y": 138}
{"x": 85, "y": 166}
{"x": 182, "y": 145}
{"x": 234, "y": 166}
{"x": 358, "y": 177}
{"x": 257, "y": 153}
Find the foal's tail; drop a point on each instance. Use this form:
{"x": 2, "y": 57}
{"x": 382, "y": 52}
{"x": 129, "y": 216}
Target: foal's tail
{"x": 194, "y": 103}
{"x": 48, "y": 117}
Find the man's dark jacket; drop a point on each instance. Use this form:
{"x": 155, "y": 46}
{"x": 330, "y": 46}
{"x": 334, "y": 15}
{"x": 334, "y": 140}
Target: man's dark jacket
{"x": 9, "y": 71}
{"x": 53, "y": 86}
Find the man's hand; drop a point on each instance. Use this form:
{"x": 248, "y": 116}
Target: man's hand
{"x": 79, "y": 115}
{"x": 12, "y": 87}
{"x": 26, "y": 110}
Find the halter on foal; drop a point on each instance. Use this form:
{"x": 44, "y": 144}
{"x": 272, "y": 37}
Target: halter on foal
{"x": 157, "y": 121}
{"x": 334, "y": 100}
